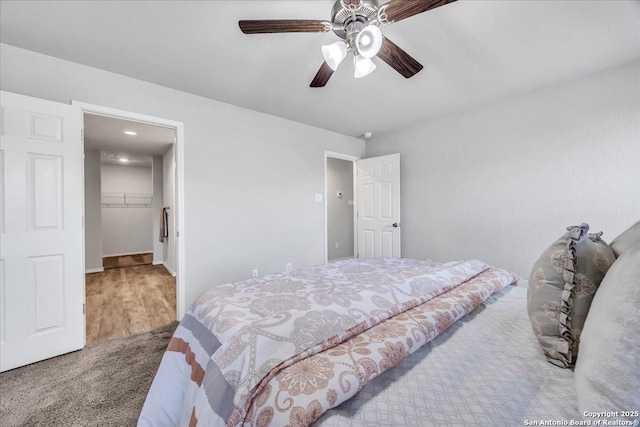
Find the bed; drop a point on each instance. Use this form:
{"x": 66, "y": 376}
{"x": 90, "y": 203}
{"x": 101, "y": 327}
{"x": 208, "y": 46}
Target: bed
{"x": 360, "y": 342}
{"x": 398, "y": 342}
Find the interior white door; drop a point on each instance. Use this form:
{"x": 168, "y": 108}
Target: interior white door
{"x": 379, "y": 206}
{"x": 41, "y": 259}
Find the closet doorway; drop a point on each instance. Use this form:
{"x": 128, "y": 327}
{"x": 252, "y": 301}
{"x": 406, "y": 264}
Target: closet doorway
{"x": 340, "y": 206}
{"x": 130, "y": 226}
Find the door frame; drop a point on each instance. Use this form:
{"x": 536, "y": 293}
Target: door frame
{"x": 179, "y": 185}
{"x": 353, "y": 160}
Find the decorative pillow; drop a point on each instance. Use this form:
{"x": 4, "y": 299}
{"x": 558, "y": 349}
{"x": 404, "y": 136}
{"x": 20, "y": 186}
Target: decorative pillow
{"x": 607, "y": 370}
{"x": 627, "y": 239}
{"x": 562, "y": 284}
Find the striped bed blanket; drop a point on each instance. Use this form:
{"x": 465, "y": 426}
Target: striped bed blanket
{"x": 285, "y": 348}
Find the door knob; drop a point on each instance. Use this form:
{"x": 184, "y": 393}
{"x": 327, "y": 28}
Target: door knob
{"x": 395, "y": 225}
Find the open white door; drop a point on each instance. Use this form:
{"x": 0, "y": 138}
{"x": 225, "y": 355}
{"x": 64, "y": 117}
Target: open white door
{"x": 379, "y": 206}
{"x": 41, "y": 254}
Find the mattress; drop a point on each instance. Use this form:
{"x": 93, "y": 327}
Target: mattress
{"x": 486, "y": 369}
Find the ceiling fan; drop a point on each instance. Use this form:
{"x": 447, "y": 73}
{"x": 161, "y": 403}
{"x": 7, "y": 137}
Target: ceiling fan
{"x": 357, "y": 23}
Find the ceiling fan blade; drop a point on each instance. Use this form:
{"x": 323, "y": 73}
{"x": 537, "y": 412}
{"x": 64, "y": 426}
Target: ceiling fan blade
{"x": 323, "y": 76}
{"x": 397, "y": 10}
{"x": 284, "y": 26}
{"x": 398, "y": 59}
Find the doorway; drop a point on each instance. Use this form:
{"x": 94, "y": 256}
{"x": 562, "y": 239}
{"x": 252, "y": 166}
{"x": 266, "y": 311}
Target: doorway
{"x": 340, "y": 206}
{"x": 136, "y": 284}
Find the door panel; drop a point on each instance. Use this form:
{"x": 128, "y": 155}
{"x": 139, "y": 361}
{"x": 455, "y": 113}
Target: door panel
{"x": 386, "y": 242}
{"x": 368, "y": 211}
{"x": 386, "y": 200}
{"x": 45, "y": 127}
{"x": 379, "y": 206}
{"x": 41, "y": 259}
{"x": 45, "y": 191}
{"x": 47, "y": 287}
{"x": 369, "y": 243}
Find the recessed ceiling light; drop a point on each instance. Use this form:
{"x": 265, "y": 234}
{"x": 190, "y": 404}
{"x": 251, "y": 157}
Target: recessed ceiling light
{"x": 122, "y": 159}
{"x": 130, "y": 132}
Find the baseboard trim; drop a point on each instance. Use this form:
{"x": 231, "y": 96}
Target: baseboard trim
{"x": 340, "y": 259}
{"x": 128, "y": 253}
{"x": 173, "y": 273}
{"x": 94, "y": 270}
{"x": 157, "y": 262}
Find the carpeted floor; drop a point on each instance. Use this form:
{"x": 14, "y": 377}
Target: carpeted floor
{"x": 127, "y": 260}
{"x": 102, "y": 385}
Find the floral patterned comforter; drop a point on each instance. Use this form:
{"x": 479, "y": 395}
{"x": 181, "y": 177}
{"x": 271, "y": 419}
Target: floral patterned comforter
{"x": 283, "y": 349}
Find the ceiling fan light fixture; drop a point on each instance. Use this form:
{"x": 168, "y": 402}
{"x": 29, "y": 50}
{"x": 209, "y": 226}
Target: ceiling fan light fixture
{"x": 362, "y": 66}
{"x": 357, "y": 23}
{"x": 369, "y": 41}
{"x": 334, "y": 54}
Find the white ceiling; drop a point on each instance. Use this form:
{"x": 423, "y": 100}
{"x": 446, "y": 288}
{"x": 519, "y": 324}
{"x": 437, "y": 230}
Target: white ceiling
{"x": 107, "y": 135}
{"x": 474, "y": 53}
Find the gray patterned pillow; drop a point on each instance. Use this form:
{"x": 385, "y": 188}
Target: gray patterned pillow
{"x": 624, "y": 241}
{"x": 607, "y": 374}
{"x": 562, "y": 284}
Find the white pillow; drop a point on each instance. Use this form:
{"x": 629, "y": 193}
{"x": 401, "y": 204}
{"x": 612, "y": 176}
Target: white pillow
{"x": 626, "y": 239}
{"x": 608, "y": 367}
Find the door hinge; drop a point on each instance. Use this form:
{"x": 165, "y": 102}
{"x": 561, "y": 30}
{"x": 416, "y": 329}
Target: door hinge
{"x": 177, "y": 234}
{"x": 82, "y": 135}
{"x": 83, "y": 308}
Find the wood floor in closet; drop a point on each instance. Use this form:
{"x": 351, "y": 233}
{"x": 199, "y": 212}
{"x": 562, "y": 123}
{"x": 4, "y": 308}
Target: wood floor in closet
{"x": 128, "y": 300}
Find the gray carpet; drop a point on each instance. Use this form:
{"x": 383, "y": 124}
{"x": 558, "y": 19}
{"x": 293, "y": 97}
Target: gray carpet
{"x": 102, "y": 385}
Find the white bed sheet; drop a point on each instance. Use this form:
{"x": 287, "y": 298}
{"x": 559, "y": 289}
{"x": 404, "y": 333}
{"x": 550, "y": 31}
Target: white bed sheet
{"x": 487, "y": 369}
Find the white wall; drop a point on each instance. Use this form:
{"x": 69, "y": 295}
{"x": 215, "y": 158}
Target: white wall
{"x": 126, "y": 230}
{"x": 168, "y": 185}
{"x": 92, "y": 212}
{"x": 158, "y": 196}
{"x": 339, "y": 212}
{"x": 502, "y": 183}
{"x": 249, "y": 178}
